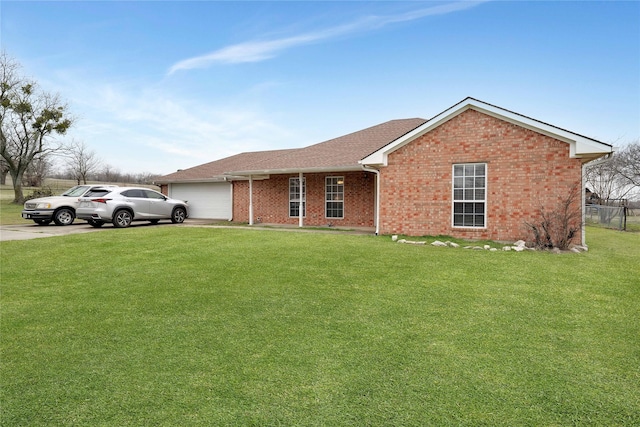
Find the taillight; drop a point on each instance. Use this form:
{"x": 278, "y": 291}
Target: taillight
{"x": 100, "y": 200}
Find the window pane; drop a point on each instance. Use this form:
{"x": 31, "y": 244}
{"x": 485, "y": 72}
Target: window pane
{"x": 334, "y": 196}
{"x": 295, "y": 196}
{"x": 468, "y": 208}
{"x": 468, "y": 182}
{"x": 469, "y": 185}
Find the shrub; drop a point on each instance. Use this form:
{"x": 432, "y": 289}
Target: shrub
{"x": 41, "y": 192}
{"x": 558, "y": 226}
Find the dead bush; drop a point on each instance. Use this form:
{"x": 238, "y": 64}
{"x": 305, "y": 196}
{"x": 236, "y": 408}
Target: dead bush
{"x": 559, "y": 225}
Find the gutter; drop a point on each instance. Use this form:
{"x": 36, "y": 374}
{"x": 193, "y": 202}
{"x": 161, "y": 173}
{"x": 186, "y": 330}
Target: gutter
{"x": 283, "y": 171}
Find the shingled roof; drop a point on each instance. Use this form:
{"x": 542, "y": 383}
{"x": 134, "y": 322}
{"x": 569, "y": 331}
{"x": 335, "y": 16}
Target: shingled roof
{"x": 338, "y": 154}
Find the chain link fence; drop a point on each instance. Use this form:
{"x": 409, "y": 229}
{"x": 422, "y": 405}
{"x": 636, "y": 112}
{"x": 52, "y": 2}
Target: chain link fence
{"x": 607, "y": 216}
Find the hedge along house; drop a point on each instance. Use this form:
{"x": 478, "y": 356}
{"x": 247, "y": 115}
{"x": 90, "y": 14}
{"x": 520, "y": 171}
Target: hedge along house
{"x": 474, "y": 171}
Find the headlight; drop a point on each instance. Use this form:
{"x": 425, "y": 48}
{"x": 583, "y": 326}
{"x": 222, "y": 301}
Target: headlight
{"x": 43, "y": 205}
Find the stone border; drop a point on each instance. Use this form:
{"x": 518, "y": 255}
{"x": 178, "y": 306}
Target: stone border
{"x": 518, "y": 246}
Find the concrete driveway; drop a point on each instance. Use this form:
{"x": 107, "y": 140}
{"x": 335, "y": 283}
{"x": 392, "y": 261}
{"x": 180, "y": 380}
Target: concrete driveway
{"x": 34, "y": 231}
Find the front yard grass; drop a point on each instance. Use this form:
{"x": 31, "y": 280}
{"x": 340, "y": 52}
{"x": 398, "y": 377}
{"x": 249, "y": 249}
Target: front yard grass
{"x": 200, "y": 326}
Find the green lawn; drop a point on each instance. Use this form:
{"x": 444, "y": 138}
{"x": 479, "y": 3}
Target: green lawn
{"x": 199, "y": 326}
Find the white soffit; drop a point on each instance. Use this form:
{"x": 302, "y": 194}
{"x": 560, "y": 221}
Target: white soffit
{"x": 579, "y": 145}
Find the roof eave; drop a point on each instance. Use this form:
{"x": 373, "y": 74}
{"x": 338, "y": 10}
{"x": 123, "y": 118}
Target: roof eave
{"x": 285, "y": 171}
{"x": 219, "y": 178}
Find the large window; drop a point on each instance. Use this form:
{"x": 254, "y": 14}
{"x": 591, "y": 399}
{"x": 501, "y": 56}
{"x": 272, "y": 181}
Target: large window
{"x": 296, "y": 195}
{"x": 469, "y": 195}
{"x": 334, "y": 196}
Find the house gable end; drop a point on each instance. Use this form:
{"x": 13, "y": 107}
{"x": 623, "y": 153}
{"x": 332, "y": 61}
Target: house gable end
{"x": 580, "y": 146}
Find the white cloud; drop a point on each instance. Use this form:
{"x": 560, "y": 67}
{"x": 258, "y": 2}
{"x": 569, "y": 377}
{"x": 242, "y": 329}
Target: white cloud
{"x": 147, "y": 130}
{"x": 255, "y": 51}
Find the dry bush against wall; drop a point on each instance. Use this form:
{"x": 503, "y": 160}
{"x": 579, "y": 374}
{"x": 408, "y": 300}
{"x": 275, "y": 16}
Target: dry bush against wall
{"x": 557, "y": 226}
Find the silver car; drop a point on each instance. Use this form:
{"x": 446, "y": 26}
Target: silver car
{"x": 61, "y": 209}
{"x": 126, "y": 204}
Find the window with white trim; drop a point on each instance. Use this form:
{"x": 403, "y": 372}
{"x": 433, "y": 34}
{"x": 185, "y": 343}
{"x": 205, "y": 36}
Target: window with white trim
{"x": 334, "y": 197}
{"x": 295, "y": 193}
{"x": 469, "y": 195}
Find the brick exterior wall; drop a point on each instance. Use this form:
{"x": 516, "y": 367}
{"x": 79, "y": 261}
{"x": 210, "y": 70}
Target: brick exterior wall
{"x": 525, "y": 170}
{"x": 271, "y": 200}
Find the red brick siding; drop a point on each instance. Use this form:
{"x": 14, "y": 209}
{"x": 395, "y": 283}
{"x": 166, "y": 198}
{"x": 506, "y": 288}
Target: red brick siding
{"x": 271, "y": 200}
{"x": 525, "y": 170}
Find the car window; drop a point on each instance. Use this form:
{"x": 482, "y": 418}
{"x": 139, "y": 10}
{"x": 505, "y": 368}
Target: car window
{"x": 97, "y": 192}
{"x": 134, "y": 193}
{"x": 153, "y": 195}
{"x": 76, "y": 191}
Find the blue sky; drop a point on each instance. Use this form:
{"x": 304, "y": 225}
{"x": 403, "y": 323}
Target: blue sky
{"x": 158, "y": 86}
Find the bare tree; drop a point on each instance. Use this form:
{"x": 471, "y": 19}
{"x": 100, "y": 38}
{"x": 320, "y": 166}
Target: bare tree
{"x": 81, "y": 161}
{"x": 37, "y": 171}
{"x": 109, "y": 173}
{"x": 4, "y": 170}
{"x": 628, "y": 164}
{"x": 29, "y": 120}
{"x": 616, "y": 177}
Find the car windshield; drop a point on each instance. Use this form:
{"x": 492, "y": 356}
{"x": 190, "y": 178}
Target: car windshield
{"x": 76, "y": 191}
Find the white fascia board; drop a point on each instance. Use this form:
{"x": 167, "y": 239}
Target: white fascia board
{"x": 192, "y": 180}
{"x": 285, "y": 171}
{"x": 580, "y": 146}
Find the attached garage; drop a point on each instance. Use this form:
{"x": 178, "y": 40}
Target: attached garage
{"x": 210, "y": 200}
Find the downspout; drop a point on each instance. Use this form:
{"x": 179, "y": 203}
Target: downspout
{"x": 250, "y": 199}
{"x": 302, "y": 201}
{"x": 377, "y": 202}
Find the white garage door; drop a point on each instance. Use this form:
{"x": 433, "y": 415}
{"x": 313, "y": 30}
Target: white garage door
{"x": 206, "y": 200}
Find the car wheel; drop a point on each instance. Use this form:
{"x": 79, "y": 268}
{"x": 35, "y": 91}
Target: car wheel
{"x": 64, "y": 217}
{"x": 178, "y": 216}
{"x": 96, "y": 224}
{"x": 42, "y": 221}
{"x": 122, "y": 218}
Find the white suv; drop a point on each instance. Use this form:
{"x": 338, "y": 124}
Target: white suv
{"x": 61, "y": 209}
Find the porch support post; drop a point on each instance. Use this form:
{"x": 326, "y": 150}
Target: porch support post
{"x": 376, "y": 212}
{"x": 250, "y": 199}
{"x": 583, "y": 207}
{"x": 302, "y": 201}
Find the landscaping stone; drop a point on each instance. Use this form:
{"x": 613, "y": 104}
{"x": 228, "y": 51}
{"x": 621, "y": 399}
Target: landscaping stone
{"x": 438, "y": 243}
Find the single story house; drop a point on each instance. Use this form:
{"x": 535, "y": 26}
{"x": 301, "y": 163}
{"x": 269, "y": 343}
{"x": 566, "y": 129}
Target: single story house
{"x": 474, "y": 171}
